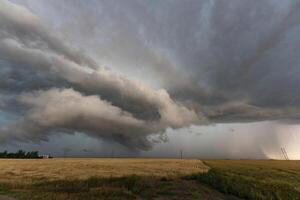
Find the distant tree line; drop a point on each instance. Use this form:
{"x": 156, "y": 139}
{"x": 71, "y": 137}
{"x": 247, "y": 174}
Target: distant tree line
{"x": 21, "y": 154}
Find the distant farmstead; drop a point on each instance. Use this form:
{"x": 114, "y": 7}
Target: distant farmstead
{"x": 46, "y": 156}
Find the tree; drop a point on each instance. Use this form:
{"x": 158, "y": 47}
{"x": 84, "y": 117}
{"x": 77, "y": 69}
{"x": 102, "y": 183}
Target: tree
{"x": 20, "y": 154}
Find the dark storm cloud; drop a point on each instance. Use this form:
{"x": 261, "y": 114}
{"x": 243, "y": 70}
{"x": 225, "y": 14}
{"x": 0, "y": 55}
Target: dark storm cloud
{"x": 209, "y": 55}
{"x": 216, "y": 61}
{"x": 69, "y": 110}
{"x": 38, "y": 60}
{"x": 248, "y": 38}
{"x": 239, "y": 57}
{"x": 27, "y": 29}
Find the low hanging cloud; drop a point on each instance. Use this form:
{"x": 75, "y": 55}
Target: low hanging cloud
{"x": 214, "y": 53}
{"x": 68, "y": 110}
{"x": 222, "y": 62}
{"x": 26, "y": 42}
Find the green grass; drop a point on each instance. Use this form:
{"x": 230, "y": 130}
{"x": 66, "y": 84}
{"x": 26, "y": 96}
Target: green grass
{"x": 254, "y": 180}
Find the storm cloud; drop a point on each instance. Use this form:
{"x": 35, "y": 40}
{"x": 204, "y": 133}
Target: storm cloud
{"x": 25, "y": 41}
{"x": 128, "y": 70}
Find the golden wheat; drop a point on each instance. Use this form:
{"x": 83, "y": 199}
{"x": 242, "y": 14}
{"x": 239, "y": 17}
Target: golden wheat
{"x": 26, "y": 171}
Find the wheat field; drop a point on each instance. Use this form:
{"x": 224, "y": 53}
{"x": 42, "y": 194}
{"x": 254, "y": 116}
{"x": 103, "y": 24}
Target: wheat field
{"x": 27, "y": 171}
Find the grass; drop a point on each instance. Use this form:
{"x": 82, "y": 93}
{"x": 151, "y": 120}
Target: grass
{"x": 121, "y": 188}
{"x": 157, "y": 179}
{"x": 129, "y": 187}
{"x": 28, "y": 171}
{"x": 108, "y": 179}
{"x": 254, "y": 180}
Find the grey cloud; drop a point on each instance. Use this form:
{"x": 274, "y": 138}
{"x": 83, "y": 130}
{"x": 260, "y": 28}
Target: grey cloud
{"x": 205, "y": 53}
{"x": 98, "y": 80}
{"x": 87, "y": 150}
{"x": 243, "y": 112}
{"x": 238, "y": 52}
{"x": 50, "y": 60}
{"x": 68, "y": 110}
{"x": 246, "y": 37}
{"x": 22, "y": 25}
{"x": 215, "y": 61}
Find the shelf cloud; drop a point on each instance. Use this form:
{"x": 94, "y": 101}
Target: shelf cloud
{"x": 27, "y": 43}
{"x": 132, "y": 69}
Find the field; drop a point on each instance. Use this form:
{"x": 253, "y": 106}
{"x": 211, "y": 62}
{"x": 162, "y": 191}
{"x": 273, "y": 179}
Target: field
{"x": 27, "y": 171}
{"x": 103, "y": 179}
{"x": 157, "y": 179}
{"x": 249, "y": 179}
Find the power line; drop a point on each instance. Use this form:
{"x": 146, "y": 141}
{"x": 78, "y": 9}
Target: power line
{"x": 285, "y": 155}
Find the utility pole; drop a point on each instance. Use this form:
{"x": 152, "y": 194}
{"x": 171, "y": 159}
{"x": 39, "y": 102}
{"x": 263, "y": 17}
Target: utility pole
{"x": 112, "y": 154}
{"x": 287, "y": 158}
{"x": 284, "y": 153}
{"x": 181, "y": 154}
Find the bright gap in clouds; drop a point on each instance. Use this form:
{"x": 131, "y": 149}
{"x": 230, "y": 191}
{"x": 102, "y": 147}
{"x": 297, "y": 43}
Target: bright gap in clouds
{"x": 260, "y": 140}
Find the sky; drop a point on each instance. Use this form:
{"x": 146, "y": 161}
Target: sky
{"x": 210, "y": 78}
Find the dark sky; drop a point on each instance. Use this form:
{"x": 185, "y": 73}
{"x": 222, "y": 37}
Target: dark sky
{"x": 150, "y": 77}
